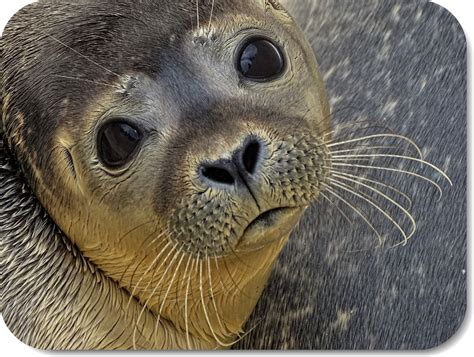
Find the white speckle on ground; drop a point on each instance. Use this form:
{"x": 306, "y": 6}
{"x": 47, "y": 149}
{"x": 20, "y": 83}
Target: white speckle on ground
{"x": 423, "y": 84}
{"x": 396, "y": 12}
{"x": 335, "y": 100}
{"x": 342, "y": 320}
{"x": 418, "y": 15}
{"x": 329, "y": 73}
{"x": 389, "y": 108}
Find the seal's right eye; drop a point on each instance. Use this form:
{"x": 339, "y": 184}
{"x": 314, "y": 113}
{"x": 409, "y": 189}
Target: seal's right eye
{"x": 260, "y": 60}
{"x": 118, "y": 141}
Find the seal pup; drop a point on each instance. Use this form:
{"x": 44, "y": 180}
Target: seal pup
{"x": 174, "y": 147}
{"x": 175, "y": 144}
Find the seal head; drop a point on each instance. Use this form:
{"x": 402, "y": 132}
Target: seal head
{"x": 177, "y": 146}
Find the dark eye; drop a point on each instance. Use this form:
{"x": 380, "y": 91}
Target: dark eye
{"x": 117, "y": 143}
{"x": 260, "y": 60}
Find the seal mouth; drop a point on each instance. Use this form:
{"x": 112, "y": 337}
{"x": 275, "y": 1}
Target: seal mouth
{"x": 270, "y": 226}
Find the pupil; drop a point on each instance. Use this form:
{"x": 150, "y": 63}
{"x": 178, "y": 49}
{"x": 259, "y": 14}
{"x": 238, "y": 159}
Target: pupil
{"x": 260, "y": 60}
{"x": 118, "y": 143}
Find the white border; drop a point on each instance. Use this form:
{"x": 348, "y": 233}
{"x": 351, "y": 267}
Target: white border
{"x": 460, "y": 345}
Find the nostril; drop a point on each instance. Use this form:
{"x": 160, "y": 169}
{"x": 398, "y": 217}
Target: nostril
{"x": 218, "y": 175}
{"x": 250, "y": 156}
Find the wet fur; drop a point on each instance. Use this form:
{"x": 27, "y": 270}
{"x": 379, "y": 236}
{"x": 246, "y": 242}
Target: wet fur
{"x": 311, "y": 316}
{"x": 57, "y": 104}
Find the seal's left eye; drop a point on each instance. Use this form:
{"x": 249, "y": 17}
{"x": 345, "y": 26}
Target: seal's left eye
{"x": 260, "y": 60}
{"x": 117, "y": 143}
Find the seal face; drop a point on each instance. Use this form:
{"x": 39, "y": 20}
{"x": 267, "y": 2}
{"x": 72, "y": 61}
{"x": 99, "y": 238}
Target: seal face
{"x": 161, "y": 137}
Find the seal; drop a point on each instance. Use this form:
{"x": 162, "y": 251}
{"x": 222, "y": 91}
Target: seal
{"x": 155, "y": 158}
{"x": 173, "y": 146}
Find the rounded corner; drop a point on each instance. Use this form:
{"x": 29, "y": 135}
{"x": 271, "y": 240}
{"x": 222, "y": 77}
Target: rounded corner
{"x": 454, "y": 19}
{"x": 459, "y": 331}
{"x": 25, "y": 7}
{"x": 4, "y": 325}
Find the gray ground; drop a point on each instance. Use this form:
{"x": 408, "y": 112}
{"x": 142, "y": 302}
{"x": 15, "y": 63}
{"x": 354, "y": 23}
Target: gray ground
{"x": 404, "y": 61}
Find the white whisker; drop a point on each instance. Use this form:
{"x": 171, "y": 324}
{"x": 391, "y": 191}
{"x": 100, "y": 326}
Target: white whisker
{"x": 358, "y": 212}
{"x": 212, "y": 294}
{"x": 168, "y": 290}
{"x": 212, "y": 13}
{"x": 197, "y": 15}
{"x": 206, "y": 315}
{"x": 365, "y": 179}
{"x": 146, "y": 272}
{"x": 87, "y": 81}
{"x": 364, "y": 148}
{"x": 85, "y": 57}
{"x": 373, "y": 204}
{"x": 156, "y": 287}
{"x": 390, "y": 169}
{"x": 391, "y": 200}
{"x": 336, "y": 206}
{"x": 186, "y": 317}
{"x": 423, "y": 162}
{"x": 375, "y": 136}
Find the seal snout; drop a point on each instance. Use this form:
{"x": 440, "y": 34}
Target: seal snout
{"x": 249, "y": 194}
{"x": 236, "y": 170}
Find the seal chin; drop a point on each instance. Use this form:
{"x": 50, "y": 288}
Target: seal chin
{"x": 269, "y": 227}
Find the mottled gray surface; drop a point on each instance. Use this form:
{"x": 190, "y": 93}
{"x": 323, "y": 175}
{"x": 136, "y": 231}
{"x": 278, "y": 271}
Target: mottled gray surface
{"x": 403, "y": 61}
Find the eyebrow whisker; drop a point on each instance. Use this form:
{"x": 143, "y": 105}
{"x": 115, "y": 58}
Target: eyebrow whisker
{"x": 85, "y": 57}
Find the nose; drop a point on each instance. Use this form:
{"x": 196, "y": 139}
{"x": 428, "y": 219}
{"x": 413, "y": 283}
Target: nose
{"x": 243, "y": 166}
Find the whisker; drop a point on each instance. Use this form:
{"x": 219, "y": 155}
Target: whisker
{"x": 206, "y": 315}
{"x": 365, "y": 148}
{"x": 375, "y": 182}
{"x": 175, "y": 255}
{"x": 211, "y": 290}
{"x": 181, "y": 284}
{"x": 186, "y": 318}
{"x": 242, "y": 337}
{"x": 391, "y": 200}
{"x": 134, "y": 229}
{"x": 389, "y": 169}
{"x": 358, "y": 212}
{"x": 197, "y": 15}
{"x": 372, "y": 203}
{"x": 134, "y": 271}
{"x": 370, "y": 124}
{"x": 147, "y": 271}
{"x": 375, "y": 136}
{"x": 237, "y": 286}
{"x": 122, "y": 276}
{"x": 165, "y": 232}
{"x": 85, "y": 57}
{"x": 173, "y": 249}
{"x": 169, "y": 289}
{"x": 244, "y": 264}
{"x": 338, "y": 208}
{"x": 220, "y": 277}
{"x": 87, "y": 81}
{"x": 148, "y": 285}
{"x": 212, "y": 13}
{"x": 408, "y": 158}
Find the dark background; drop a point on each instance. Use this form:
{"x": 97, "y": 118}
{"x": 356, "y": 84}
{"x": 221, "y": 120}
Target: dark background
{"x": 402, "y": 63}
